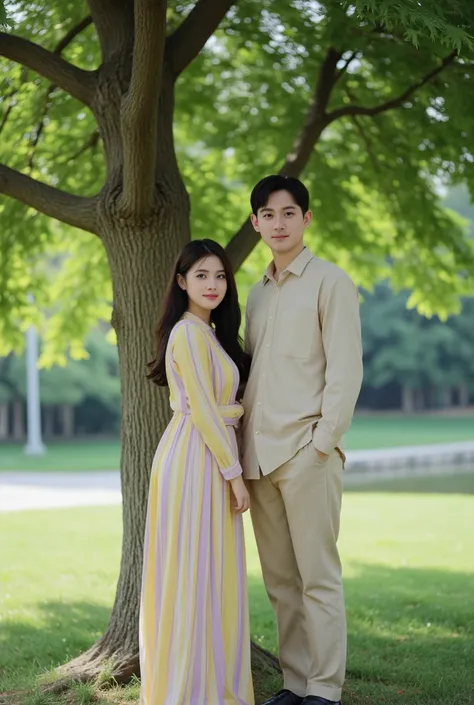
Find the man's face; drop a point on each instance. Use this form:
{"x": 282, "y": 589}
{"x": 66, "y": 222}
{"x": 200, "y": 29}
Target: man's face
{"x": 281, "y": 223}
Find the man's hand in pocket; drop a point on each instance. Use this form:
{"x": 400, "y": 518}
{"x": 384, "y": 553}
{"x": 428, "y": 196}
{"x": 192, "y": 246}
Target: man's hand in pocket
{"x": 323, "y": 456}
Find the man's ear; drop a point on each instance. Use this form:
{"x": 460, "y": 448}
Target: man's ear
{"x": 307, "y": 218}
{"x": 254, "y": 220}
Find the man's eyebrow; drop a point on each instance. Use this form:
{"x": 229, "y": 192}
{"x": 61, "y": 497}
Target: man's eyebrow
{"x": 285, "y": 208}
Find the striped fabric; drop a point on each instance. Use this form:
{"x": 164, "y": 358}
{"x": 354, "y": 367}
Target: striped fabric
{"x": 194, "y": 624}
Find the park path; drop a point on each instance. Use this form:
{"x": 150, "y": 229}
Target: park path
{"x": 51, "y": 490}
{"x": 48, "y": 490}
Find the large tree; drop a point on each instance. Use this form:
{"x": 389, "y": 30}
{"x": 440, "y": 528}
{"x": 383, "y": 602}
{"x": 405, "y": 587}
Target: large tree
{"x": 116, "y": 116}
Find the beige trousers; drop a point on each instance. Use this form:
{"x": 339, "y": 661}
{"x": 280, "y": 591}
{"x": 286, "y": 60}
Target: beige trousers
{"x": 295, "y": 514}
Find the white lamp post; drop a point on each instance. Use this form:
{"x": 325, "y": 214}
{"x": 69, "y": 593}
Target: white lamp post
{"x": 34, "y": 444}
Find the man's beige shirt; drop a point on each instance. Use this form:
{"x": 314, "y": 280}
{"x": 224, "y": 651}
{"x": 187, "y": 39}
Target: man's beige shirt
{"x": 303, "y": 332}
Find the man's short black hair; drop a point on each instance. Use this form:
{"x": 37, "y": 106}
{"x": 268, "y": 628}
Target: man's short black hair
{"x": 264, "y": 189}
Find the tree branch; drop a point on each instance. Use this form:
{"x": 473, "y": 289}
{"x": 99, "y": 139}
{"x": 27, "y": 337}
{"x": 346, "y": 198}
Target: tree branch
{"x": 347, "y": 63}
{"x": 112, "y": 21}
{"x": 367, "y": 143}
{"x": 140, "y": 106}
{"x": 79, "y": 83}
{"x": 59, "y": 48}
{"x": 77, "y": 211}
{"x": 190, "y": 37}
{"x": 90, "y": 143}
{"x": 246, "y": 238}
{"x": 72, "y": 34}
{"x": 394, "y": 102}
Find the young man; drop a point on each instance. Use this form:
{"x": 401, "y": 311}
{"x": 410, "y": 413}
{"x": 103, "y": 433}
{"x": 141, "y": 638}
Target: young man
{"x": 303, "y": 332}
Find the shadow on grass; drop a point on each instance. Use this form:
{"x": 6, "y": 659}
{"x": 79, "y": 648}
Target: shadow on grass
{"x": 410, "y": 635}
{"x": 60, "y": 632}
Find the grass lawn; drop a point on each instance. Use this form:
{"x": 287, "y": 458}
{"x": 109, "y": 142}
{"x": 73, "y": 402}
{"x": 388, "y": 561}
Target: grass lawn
{"x": 391, "y": 431}
{"x": 409, "y": 578}
{"x": 365, "y": 432}
{"x": 73, "y": 456}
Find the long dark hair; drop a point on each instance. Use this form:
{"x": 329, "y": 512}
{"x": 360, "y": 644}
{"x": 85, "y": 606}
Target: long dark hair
{"x": 226, "y": 317}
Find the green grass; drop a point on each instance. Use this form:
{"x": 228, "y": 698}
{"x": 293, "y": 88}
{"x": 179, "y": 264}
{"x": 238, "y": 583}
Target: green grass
{"x": 365, "y": 432}
{"x": 391, "y": 431}
{"x": 462, "y": 483}
{"x": 409, "y": 577}
{"x": 66, "y": 456}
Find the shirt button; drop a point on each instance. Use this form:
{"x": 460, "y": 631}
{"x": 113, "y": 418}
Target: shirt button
{"x": 257, "y": 433}
{"x": 267, "y": 345}
{"x": 271, "y": 318}
{"x": 259, "y": 403}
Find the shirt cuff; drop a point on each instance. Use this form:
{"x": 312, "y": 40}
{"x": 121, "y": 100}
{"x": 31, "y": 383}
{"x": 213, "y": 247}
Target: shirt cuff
{"x": 323, "y": 441}
{"x": 231, "y": 473}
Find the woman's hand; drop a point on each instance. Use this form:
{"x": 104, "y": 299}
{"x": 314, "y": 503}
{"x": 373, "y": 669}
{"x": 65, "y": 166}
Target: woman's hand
{"x": 240, "y": 500}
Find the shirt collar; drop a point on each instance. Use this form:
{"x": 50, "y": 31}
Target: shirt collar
{"x": 297, "y": 266}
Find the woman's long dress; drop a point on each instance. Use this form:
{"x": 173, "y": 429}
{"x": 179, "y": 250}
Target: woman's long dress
{"x": 194, "y": 623}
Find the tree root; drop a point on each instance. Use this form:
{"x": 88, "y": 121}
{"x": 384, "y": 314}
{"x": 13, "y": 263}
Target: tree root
{"x": 106, "y": 669}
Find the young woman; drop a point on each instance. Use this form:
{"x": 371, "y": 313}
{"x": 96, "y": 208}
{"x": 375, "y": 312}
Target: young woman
{"x": 194, "y": 623}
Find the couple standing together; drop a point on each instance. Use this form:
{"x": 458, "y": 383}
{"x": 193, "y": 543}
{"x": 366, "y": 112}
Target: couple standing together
{"x": 302, "y": 371}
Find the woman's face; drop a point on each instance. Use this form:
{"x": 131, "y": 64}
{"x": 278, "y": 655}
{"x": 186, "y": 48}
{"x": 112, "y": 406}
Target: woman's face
{"x": 205, "y": 284}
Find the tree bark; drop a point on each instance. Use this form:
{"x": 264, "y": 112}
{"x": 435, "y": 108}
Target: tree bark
{"x": 141, "y": 255}
{"x": 67, "y": 420}
{"x": 48, "y": 416}
{"x": 4, "y": 421}
{"x": 79, "y": 83}
{"x": 446, "y": 398}
{"x": 463, "y": 395}
{"x": 408, "y": 399}
{"x": 18, "y": 420}
{"x": 78, "y": 211}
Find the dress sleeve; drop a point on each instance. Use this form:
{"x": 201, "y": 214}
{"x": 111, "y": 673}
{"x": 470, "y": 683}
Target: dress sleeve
{"x": 192, "y": 355}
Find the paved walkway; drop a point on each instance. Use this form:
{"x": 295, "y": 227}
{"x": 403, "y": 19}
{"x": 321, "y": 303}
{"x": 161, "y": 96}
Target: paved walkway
{"x": 48, "y": 490}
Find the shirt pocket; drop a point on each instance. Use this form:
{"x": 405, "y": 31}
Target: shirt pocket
{"x": 297, "y": 334}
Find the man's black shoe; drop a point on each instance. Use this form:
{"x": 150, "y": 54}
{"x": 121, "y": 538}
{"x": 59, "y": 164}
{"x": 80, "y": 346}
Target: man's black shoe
{"x": 318, "y": 700}
{"x": 284, "y": 697}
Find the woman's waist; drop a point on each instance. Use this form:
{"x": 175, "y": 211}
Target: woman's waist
{"x": 230, "y": 413}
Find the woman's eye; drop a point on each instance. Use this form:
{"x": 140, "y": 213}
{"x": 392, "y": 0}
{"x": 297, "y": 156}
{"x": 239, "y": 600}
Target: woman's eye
{"x": 201, "y": 276}
{"x": 221, "y": 276}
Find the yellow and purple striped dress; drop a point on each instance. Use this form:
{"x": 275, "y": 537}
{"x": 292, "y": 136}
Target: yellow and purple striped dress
{"x": 194, "y": 622}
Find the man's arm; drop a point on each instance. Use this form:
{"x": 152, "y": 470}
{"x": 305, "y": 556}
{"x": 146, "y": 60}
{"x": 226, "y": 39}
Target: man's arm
{"x": 341, "y": 334}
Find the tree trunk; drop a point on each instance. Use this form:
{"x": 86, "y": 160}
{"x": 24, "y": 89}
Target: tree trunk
{"x": 463, "y": 395}
{"x": 408, "y": 399}
{"x": 18, "y": 420}
{"x": 67, "y": 420}
{"x": 141, "y": 257}
{"x": 3, "y": 422}
{"x": 446, "y": 398}
{"x": 419, "y": 400}
{"x": 48, "y": 416}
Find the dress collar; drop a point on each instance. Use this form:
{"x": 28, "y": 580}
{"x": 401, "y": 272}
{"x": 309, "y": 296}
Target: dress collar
{"x": 192, "y": 317}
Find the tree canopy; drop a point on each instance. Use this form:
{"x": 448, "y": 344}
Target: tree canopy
{"x": 370, "y": 102}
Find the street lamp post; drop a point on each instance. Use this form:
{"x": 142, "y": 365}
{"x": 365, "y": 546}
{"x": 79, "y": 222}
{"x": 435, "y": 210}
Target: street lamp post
{"x": 34, "y": 444}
